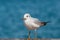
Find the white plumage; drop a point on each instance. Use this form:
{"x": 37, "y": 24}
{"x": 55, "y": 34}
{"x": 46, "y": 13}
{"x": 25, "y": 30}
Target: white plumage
{"x": 32, "y": 23}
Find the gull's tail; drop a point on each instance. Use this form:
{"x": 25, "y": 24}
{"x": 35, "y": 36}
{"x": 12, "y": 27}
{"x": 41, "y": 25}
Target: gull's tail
{"x": 44, "y": 23}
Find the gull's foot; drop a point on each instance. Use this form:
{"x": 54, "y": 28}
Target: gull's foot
{"x": 35, "y": 39}
{"x": 28, "y": 39}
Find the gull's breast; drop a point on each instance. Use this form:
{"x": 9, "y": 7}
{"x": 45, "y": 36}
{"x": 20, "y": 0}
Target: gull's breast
{"x": 30, "y": 24}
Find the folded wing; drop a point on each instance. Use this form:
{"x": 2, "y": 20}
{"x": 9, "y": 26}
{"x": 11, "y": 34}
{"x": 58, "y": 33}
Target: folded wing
{"x": 36, "y": 21}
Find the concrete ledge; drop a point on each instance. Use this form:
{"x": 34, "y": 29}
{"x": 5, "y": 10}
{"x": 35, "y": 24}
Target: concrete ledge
{"x": 24, "y": 39}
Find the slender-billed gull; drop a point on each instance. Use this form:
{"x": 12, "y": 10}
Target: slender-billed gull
{"x": 32, "y": 23}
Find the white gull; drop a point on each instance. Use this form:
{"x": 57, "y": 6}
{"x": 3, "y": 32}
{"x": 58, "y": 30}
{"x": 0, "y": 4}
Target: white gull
{"x": 32, "y": 23}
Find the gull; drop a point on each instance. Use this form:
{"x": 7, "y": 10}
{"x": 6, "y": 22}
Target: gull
{"x": 32, "y": 23}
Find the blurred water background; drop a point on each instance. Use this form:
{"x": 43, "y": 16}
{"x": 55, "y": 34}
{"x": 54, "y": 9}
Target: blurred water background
{"x": 11, "y": 12}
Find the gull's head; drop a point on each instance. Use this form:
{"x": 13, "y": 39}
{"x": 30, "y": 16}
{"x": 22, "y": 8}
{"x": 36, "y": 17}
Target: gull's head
{"x": 26, "y": 16}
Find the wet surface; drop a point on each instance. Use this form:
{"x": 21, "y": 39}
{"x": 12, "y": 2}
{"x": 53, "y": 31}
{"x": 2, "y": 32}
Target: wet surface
{"x": 11, "y": 12}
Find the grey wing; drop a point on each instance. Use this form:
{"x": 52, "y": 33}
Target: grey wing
{"x": 36, "y": 21}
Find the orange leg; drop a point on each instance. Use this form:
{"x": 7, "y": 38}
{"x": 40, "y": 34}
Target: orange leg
{"x": 28, "y": 36}
{"x": 35, "y": 35}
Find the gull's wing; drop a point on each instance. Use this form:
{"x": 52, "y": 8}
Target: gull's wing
{"x": 36, "y": 21}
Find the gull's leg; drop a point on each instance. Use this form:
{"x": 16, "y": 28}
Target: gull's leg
{"x": 35, "y": 34}
{"x": 28, "y": 35}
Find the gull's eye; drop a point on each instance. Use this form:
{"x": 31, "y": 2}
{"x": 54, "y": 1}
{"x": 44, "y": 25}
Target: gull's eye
{"x": 26, "y": 16}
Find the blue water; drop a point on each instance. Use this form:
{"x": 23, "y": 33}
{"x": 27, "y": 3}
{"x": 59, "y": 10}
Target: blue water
{"x": 11, "y": 12}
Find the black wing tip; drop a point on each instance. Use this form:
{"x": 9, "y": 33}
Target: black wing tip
{"x": 46, "y": 22}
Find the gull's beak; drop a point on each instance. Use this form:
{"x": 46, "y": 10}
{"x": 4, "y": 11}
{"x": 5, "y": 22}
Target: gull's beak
{"x": 23, "y": 18}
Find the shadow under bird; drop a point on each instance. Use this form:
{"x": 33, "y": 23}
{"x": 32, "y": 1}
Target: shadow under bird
{"x": 32, "y": 23}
